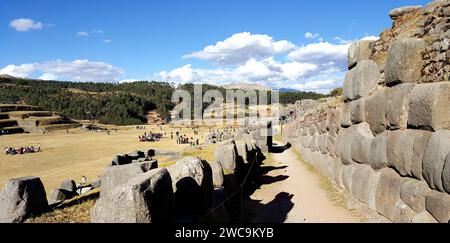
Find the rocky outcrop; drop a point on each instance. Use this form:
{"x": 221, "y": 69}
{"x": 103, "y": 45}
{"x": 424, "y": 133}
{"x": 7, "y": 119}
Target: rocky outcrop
{"x": 392, "y": 145}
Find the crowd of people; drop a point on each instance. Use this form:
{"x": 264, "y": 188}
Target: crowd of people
{"x": 151, "y": 137}
{"x": 22, "y": 150}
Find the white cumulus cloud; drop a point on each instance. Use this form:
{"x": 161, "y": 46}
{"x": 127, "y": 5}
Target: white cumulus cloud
{"x": 242, "y": 47}
{"x": 78, "y": 70}
{"x": 82, "y": 34}
{"x": 23, "y": 25}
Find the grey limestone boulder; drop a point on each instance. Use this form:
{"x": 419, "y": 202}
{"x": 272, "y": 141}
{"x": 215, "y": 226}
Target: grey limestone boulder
{"x": 22, "y": 198}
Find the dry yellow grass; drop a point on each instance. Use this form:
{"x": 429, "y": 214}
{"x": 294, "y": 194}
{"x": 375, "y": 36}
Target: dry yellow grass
{"x": 70, "y": 156}
{"x": 76, "y": 210}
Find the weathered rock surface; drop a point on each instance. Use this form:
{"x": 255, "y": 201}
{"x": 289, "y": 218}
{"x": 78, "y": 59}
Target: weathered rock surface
{"x": 434, "y": 159}
{"x": 376, "y": 112}
{"x": 147, "y": 198}
{"x": 117, "y": 175}
{"x": 361, "y": 140}
{"x": 22, "y": 198}
{"x": 226, "y": 155}
{"x": 378, "y": 158}
{"x": 398, "y": 12}
{"x": 397, "y": 106}
{"x": 361, "y": 80}
{"x": 424, "y": 218}
{"x": 438, "y": 204}
{"x": 358, "y": 52}
{"x": 414, "y": 194}
{"x": 404, "y": 61}
{"x": 429, "y": 106}
{"x": 388, "y": 193}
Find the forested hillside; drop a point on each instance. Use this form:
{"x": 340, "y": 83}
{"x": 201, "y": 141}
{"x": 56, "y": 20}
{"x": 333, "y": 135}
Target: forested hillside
{"x": 109, "y": 103}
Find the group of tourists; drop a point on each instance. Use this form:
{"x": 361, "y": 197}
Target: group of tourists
{"x": 22, "y": 150}
{"x": 151, "y": 137}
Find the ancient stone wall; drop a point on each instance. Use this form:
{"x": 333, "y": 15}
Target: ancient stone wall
{"x": 387, "y": 143}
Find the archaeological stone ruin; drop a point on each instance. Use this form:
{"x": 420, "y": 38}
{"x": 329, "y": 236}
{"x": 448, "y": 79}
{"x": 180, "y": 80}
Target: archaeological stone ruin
{"x": 387, "y": 143}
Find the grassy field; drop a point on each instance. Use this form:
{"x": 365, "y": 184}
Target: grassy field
{"x": 79, "y": 152}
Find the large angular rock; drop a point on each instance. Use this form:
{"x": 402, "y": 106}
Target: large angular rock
{"x": 361, "y": 80}
{"x": 218, "y": 175}
{"x": 378, "y": 151}
{"x": 115, "y": 176}
{"x": 424, "y": 218}
{"x": 371, "y": 189}
{"x": 357, "y": 111}
{"x": 405, "y": 151}
{"x": 147, "y": 198}
{"x": 446, "y": 174}
{"x": 359, "y": 51}
{"x": 397, "y": 106}
{"x": 429, "y": 106}
{"x": 404, "y": 61}
{"x": 434, "y": 159}
{"x": 226, "y": 155}
{"x": 344, "y": 146}
{"x": 414, "y": 194}
{"x": 375, "y": 110}
{"x": 22, "y": 198}
{"x": 359, "y": 182}
{"x": 398, "y": 12}
{"x": 361, "y": 139}
{"x": 388, "y": 193}
{"x": 420, "y": 145}
{"x": 438, "y": 204}
{"x": 68, "y": 185}
{"x": 193, "y": 187}
{"x": 345, "y": 116}
{"x": 60, "y": 195}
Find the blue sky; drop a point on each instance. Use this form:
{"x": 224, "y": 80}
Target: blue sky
{"x": 279, "y": 43}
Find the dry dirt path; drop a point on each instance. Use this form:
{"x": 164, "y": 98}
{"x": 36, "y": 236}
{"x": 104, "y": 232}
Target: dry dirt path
{"x": 293, "y": 195}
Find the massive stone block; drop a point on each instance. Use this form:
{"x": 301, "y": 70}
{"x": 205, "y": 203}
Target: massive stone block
{"x": 378, "y": 151}
{"x": 357, "y": 111}
{"x": 226, "y": 155}
{"x": 361, "y": 80}
{"x": 344, "y": 146}
{"x": 68, "y": 185}
{"x": 217, "y": 173}
{"x": 359, "y": 51}
{"x": 438, "y": 204}
{"x": 420, "y": 145}
{"x": 446, "y": 174}
{"x": 375, "y": 110}
{"x": 359, "y": 182}
{"x": 434, "y": 159}
{"x": 404, "y": 61}
{"x": 388, "y": 193}
{"x": 397, "y": 106}
{"x": 414, "y": 194}
{"x": 147, "y": 198}
{"x": 361, "y": 139}
{"x": 405, "y": 151}
{"x": 117, "y": 175}
{"x": 192, "y": 184}
{"x": 345, "y": 116}
{"x": 429, "y": 106}
{"x": 22, "y": 198}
